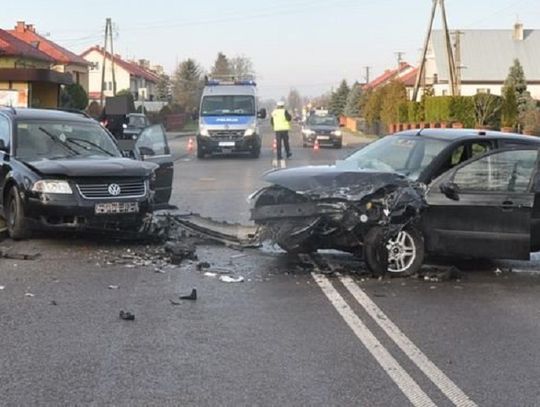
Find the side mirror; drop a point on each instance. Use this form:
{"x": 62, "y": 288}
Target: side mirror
{"x": 450, "y": 190}
{"x": 146, "y": 151}
{"x": 3, "y": 146}
{"x": 262, "y": 114}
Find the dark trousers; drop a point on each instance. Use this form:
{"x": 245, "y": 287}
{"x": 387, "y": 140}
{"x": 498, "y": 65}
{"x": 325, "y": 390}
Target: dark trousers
{"x": 282, "y": 137}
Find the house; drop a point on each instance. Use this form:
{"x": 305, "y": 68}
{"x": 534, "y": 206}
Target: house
{"x": 65, "y": 61}
{"x": 406, "y": 74}
{"x": 483, "y": 59}
{"x": 26, "y": 75}
{"x": 139, "y": 80}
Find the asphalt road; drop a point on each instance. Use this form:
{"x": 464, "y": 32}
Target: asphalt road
{"x": 286, "y": 336}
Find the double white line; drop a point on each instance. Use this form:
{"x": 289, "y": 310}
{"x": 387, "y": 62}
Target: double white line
{"x": 390, "y": 365}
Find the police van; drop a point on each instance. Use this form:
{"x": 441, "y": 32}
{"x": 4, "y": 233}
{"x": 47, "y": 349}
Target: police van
{"x": 228, "y": 119}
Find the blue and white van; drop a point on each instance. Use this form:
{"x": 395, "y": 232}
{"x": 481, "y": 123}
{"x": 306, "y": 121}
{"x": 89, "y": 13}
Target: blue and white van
{"x": 228, "y": 119}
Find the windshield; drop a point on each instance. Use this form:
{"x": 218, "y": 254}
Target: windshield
{"x": 42, "y": 140}
{"x": 137, "y": 121}
{"x": 322, "y": 121}
{"x": 404, "y": 155}
{"x": 238, "y": 105}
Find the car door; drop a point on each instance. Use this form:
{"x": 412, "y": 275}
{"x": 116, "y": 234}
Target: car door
{"x": 483, "y": 207}
{"x": 152, "y": 146}
{"x": 4, "y": 153}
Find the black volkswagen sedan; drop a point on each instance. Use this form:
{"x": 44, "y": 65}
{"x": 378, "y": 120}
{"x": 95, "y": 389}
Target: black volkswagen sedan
{"x": 323, "y": 129}
{"x": 456, "y": 193}
{"x": 64, "y": 170}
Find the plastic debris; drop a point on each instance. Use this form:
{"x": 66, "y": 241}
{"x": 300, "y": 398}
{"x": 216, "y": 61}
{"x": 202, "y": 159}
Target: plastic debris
{"x": 2, "y": 287}
{"x": 173, "y": 302}
{"x": 210, "y": 274}
{"x": 127, "y": 316}
{"x": 29, "y": 295}
{"x": 192, "y": 296}
{"x": 230, "y": 279}
{"x": 114, "y": 287}
{"x": 53, "y": 302}
{"x": 7, "y": 254}
{"x": 203, "y": 265}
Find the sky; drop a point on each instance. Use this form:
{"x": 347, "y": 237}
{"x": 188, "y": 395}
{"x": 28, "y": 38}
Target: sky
{"x": 310, "y": 45}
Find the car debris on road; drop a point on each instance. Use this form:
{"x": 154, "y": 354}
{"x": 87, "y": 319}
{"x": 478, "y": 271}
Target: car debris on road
{"x": 127, "y": 316}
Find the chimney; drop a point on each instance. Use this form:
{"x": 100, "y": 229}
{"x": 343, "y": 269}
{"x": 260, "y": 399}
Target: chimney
{"x": 20, "y": 27}
{"x": 518, "y": 32}
{"x": 31, "y": 28}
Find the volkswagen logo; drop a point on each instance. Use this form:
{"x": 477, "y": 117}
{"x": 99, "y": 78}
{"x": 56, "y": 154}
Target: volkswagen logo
{"x": 114, "y": 189}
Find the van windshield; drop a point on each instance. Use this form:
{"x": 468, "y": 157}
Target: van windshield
{"x": 228, "y": 105}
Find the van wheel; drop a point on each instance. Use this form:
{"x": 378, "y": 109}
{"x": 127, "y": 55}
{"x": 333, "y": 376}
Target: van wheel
{"x": 16, "y": 222}
{"x": 400, "y": 256}
{"x": 200, "y": 153}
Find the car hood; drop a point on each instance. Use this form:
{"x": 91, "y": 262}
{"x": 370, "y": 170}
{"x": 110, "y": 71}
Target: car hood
{"x": 331, "y": 181}
{"x": 103, "y": 167}
{"x": 322, "y": 128}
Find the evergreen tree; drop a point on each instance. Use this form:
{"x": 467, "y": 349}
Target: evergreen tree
{"x": 339, "y": 99}
{"x": 222, "y": 67}
{"x": 516, "y": 79}
{"x": 352, "y": 106}
{"x": 74, "y": 97}
{"x": 163, "y": 87}
{"x": 509, "y": 109}
{"x": 395, "y": 96}
{"x": 187, "y": 85}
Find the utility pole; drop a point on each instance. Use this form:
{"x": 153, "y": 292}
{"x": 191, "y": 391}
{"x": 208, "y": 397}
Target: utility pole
{"x": 366, "y": 76}
{"x": 108, "y": 38}
{"x": 457, "y": 57}
{"x": 399, "y": 56}
{"x": 451, "y": 61}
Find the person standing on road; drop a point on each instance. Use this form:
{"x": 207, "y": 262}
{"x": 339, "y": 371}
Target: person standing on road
{"x": 281, "y": 123}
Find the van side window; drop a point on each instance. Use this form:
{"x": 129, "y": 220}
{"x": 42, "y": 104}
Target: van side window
{"x": 4, "y": 130}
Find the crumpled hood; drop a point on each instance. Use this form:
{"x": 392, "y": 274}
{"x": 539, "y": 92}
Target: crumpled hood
{"x": 332, "y": 182}
{"x": 102, "y": 167}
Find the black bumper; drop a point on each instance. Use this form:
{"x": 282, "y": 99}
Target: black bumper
{"x": 72, "y": 212}
{"x": 210, "y": 145}
{"x": 326, "y": 140}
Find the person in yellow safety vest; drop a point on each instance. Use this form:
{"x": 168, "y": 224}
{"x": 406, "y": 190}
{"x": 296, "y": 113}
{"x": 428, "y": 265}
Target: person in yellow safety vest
{"x": 281, "y": 123}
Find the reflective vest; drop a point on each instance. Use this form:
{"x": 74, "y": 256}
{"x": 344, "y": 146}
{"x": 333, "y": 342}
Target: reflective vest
{"x": 280, "y": 121}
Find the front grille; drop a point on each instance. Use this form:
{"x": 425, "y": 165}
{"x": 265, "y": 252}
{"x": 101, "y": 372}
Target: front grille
{"x": 127, "y": 189}
{"x": 227, "y": 135}
{"x": 324, "y": 132}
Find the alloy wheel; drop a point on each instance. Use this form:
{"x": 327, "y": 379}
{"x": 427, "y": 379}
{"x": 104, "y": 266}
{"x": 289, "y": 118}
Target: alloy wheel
{"x": 401, "y": 252}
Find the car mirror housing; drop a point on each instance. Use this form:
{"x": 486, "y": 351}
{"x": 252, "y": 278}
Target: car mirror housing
{"x": 262, "y": 114}
{"x": 3, "y": 146}
{"x": 146, "y": 151}
{"x": 450, "y": 190}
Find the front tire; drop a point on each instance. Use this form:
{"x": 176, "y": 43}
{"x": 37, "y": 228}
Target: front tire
{"x": 16, "y": 222}
{"x": 200, "y": 153}
{"x": 401, "y": 256}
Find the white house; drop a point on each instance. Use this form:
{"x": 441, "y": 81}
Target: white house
{"x": 483, "y": 58}
{"x": 128, "y": 75}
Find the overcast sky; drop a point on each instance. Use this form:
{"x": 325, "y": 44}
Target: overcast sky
{"x": 307, "y": 44}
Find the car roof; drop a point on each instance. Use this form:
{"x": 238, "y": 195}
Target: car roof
{"x": 43, "y": 114}
{"x": 461, "y": 134}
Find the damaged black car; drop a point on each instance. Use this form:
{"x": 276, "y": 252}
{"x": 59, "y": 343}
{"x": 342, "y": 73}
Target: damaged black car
{"x": 452, "y": 193}
{"x": 61, "y": 170}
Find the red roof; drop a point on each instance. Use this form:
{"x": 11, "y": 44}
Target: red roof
{"x": 388, "y": 75}
{"x": 409, "y": 79}
{"x": 13, "y": 47}
{"x": 130, "y": 67}
{"x": 27, "y": 33}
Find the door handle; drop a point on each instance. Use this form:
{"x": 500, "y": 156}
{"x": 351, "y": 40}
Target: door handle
{"x": 507, "y": 205}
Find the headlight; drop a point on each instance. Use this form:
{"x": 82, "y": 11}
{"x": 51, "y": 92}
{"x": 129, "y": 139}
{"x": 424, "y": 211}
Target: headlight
{"x": 337, "y": 133}
{"x": 52, "y": 187}
{"x": 203, "y": 131}
{"x": 250, "y": 132}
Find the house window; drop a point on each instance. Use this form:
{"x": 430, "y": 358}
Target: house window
{"x": 110, "y": 85}
{"x": 435, "y": 78}
{"x": 487, "y": 91}
{"x": 444, "y": 92}
{"x": 94, "y": 66}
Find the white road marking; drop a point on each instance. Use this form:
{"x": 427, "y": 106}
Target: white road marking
{"x": 390, "y": 365}
{"x": 447, "y": 386}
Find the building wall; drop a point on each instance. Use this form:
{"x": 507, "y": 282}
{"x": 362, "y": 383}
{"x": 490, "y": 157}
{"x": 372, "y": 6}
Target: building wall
{"x": 473, "y": 89}
{"x": 94, "y": 75}
{"x": 44, "y": 94}
{"x": 79, "y": 73}
{"x": 14, "y": 62}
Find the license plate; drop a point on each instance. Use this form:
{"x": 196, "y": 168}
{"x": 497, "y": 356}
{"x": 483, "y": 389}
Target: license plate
{"x": 227, "y": 144}
{"x": 110, "y": 208}
{"x": 323, "y": 137}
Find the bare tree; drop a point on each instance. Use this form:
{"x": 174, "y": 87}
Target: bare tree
{"x": 242, "y": 67}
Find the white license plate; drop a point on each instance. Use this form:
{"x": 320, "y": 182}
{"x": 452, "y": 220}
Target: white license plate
{"x": 116, "y": 207}
{"x": 323, "y": 137}
{"x": 227, "y": 144}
